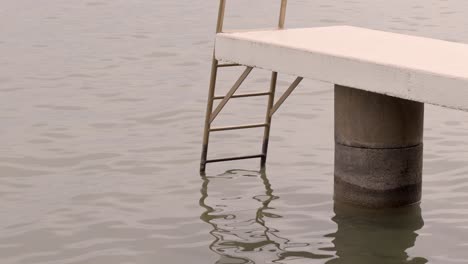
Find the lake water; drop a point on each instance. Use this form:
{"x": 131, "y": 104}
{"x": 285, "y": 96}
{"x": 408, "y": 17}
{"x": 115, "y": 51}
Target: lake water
{"x": 102, "y": 106}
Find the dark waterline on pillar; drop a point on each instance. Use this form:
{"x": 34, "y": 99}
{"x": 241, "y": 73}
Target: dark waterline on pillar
{"x": 379, "y": 149}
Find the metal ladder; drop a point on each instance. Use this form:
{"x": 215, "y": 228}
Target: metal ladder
{"x": 272, "y": 107}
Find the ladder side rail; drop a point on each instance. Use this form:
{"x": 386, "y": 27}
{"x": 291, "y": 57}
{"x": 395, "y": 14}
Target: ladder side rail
{"x": 210, "y": 115}
{"x": 211, "y": 89}
{"x": 271, "y": 97}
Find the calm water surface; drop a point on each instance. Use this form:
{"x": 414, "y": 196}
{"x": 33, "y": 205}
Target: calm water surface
{"x": 101, "y": 108}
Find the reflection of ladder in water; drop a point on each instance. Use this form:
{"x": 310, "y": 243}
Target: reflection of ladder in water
{"x": 271, "y": 107}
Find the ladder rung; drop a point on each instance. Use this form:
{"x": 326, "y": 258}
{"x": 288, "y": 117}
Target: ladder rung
{"x": 236, "y": 158}
{"x": 237, "y": 127}
{"x": 228, "y": 65}
{"x": 243, "y": 95}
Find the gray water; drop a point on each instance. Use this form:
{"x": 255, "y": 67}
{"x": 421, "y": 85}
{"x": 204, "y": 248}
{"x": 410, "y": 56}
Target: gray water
{"x": 101, "y": 108}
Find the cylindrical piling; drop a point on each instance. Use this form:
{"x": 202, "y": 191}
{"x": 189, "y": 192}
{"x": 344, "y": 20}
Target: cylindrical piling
{"x": 378, "y": 149}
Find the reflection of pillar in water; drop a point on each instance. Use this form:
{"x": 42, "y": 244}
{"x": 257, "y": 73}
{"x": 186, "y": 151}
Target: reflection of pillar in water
{"x": 370, "y": 237}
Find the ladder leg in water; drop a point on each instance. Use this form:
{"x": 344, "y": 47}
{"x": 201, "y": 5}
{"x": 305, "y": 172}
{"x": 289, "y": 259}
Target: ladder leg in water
{"x": 211, "y": 115}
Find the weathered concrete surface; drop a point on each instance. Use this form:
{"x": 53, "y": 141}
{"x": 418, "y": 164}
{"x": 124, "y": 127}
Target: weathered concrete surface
{"x": 378, "y": 150}
{"x": 414, "y": 68}
{"x": 378, "y": 178}
{"x": 370, "y": 120}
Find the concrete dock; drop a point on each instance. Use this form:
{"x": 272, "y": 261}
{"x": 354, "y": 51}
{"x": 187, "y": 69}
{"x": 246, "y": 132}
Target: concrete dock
{"x": 414, "y": 68}
{"x": 382, "y": 81}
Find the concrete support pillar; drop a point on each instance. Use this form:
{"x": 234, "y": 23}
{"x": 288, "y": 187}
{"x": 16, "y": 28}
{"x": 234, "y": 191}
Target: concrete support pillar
{"x": 378, "y": 149}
